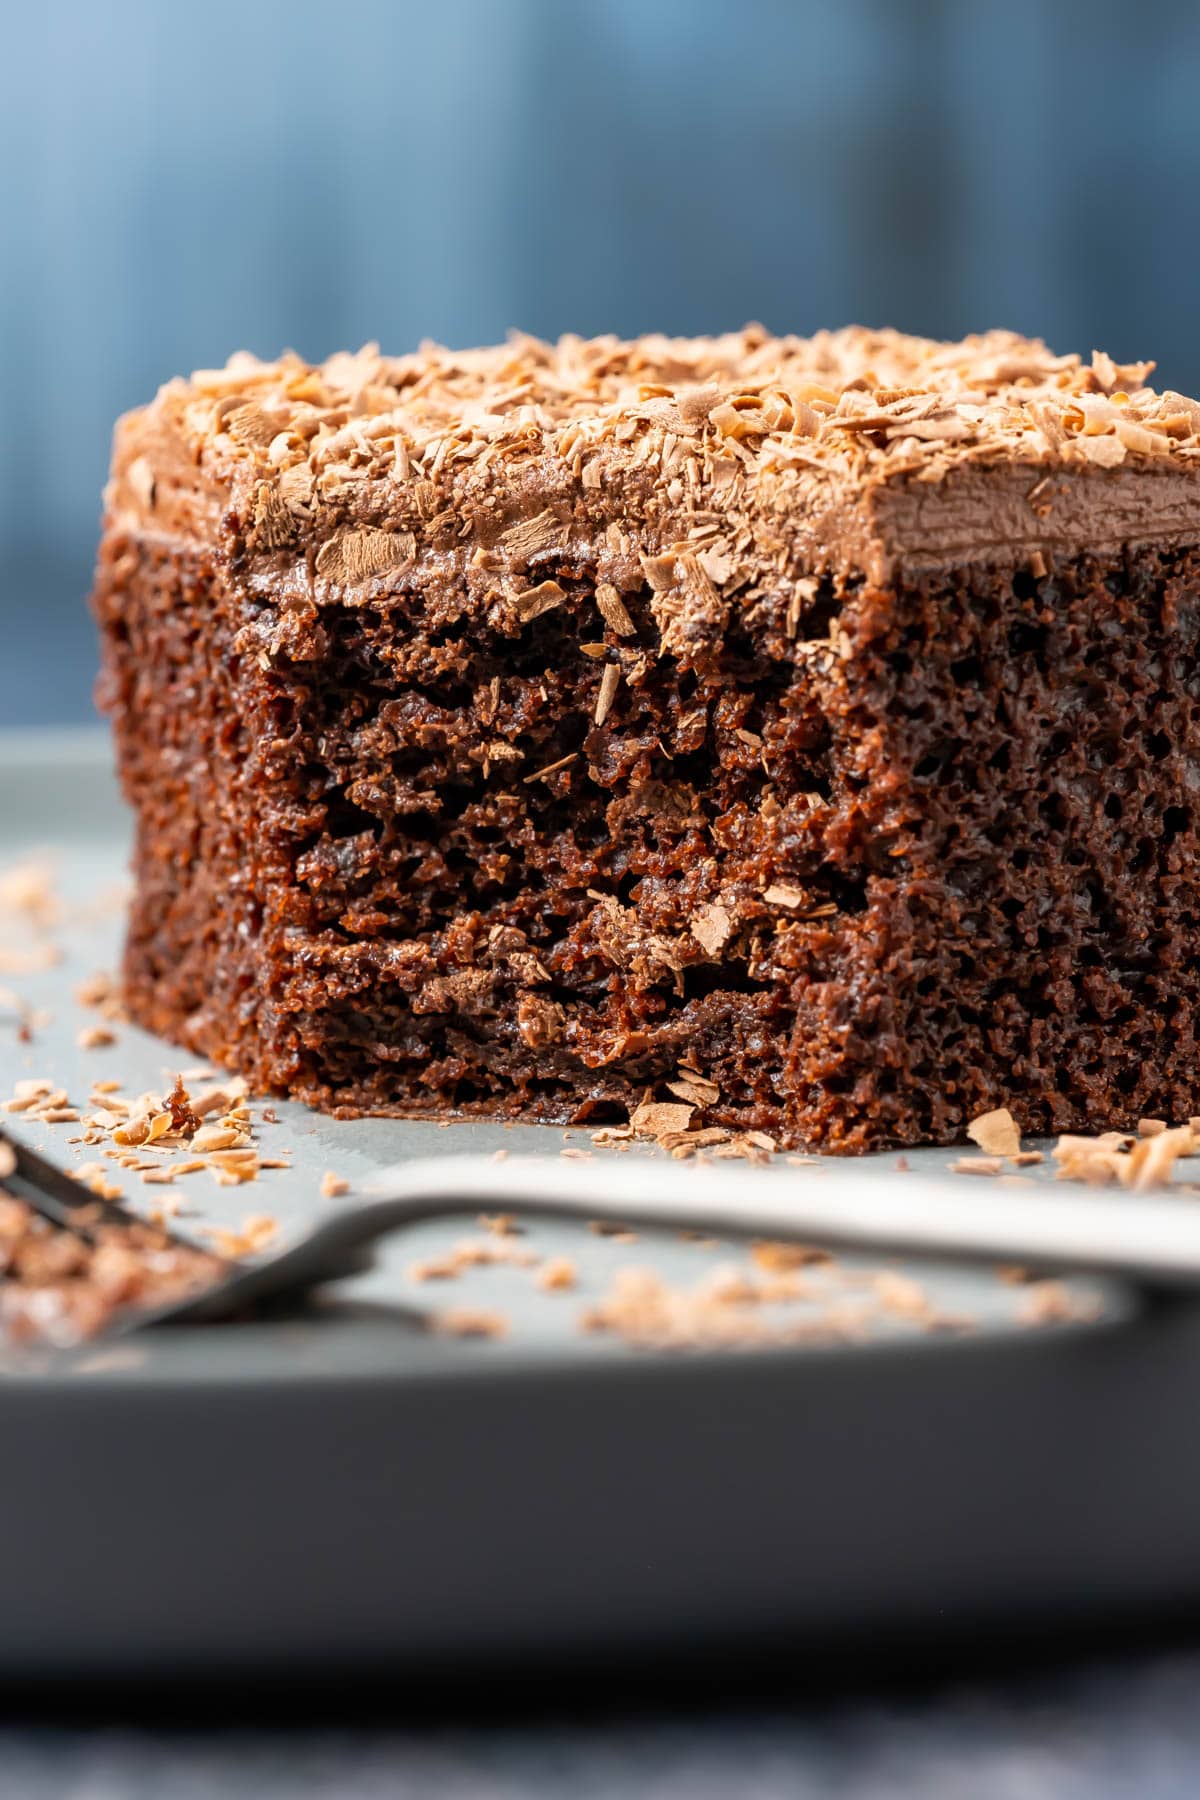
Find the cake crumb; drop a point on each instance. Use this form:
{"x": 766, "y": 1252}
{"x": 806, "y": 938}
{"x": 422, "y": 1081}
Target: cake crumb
{"x": 977, "y": 1165}
{"x": 1151, "y": 1127}
{"x": 333, "y": 1186}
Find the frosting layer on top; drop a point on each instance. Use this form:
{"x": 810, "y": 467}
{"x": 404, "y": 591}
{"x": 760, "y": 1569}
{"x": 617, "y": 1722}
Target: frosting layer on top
{"x": 712, "y": 466}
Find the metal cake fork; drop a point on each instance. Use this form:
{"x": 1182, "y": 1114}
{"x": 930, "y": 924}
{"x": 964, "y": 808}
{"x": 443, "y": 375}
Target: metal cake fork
{"x": 1153, "y": 1241}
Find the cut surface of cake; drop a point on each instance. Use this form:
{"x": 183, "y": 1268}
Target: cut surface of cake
{"x": 806, "y": 732}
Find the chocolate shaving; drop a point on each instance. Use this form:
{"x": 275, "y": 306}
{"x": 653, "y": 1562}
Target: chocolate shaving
{"x": 996, "y": 1133}
{"x": 538, "y": 600}
{"x": 614, "y": 611}
{"x": 359, "y": 555}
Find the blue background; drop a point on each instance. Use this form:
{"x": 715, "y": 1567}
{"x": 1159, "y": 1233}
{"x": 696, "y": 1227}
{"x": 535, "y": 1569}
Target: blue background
{"x": 179, "y": 181}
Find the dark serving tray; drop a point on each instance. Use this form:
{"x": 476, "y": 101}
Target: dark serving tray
{"x": 342, "y": 1490}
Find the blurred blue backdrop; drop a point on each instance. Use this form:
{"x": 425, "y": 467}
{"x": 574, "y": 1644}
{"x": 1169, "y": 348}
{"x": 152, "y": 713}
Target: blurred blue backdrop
{"x": 179, "y": 181}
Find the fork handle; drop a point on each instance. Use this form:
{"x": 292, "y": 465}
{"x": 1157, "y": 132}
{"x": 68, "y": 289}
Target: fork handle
{"x": 1152, "y": 1241}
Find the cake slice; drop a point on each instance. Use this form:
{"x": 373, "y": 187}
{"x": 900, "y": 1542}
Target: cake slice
{"x": 803, "y": 732}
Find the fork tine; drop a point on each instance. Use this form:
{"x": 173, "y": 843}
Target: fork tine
{"x": 64, "y": 1201}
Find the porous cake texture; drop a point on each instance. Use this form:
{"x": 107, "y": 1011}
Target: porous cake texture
{"x": 807, "y": 724}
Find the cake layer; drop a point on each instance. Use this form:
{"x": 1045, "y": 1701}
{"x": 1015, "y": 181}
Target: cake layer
{"x": 808, "y": 726}
{"x": 859, "y": 453}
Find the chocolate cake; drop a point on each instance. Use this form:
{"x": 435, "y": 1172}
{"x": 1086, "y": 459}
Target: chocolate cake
{"x": 805, "y": 729}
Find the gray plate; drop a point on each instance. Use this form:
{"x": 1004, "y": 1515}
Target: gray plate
{"x": 345, "y": 1487}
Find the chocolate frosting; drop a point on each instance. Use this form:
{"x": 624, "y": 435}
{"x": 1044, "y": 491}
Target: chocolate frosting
{"x": 716, "y": 468}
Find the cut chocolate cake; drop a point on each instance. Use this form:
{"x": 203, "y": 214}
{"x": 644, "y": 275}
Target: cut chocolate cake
{"x": 804, "y": 729}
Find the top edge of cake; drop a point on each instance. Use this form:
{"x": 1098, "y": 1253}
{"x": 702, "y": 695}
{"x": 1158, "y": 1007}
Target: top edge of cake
{"x": 890, "y": 449}
{"x": 856, "y": 395}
